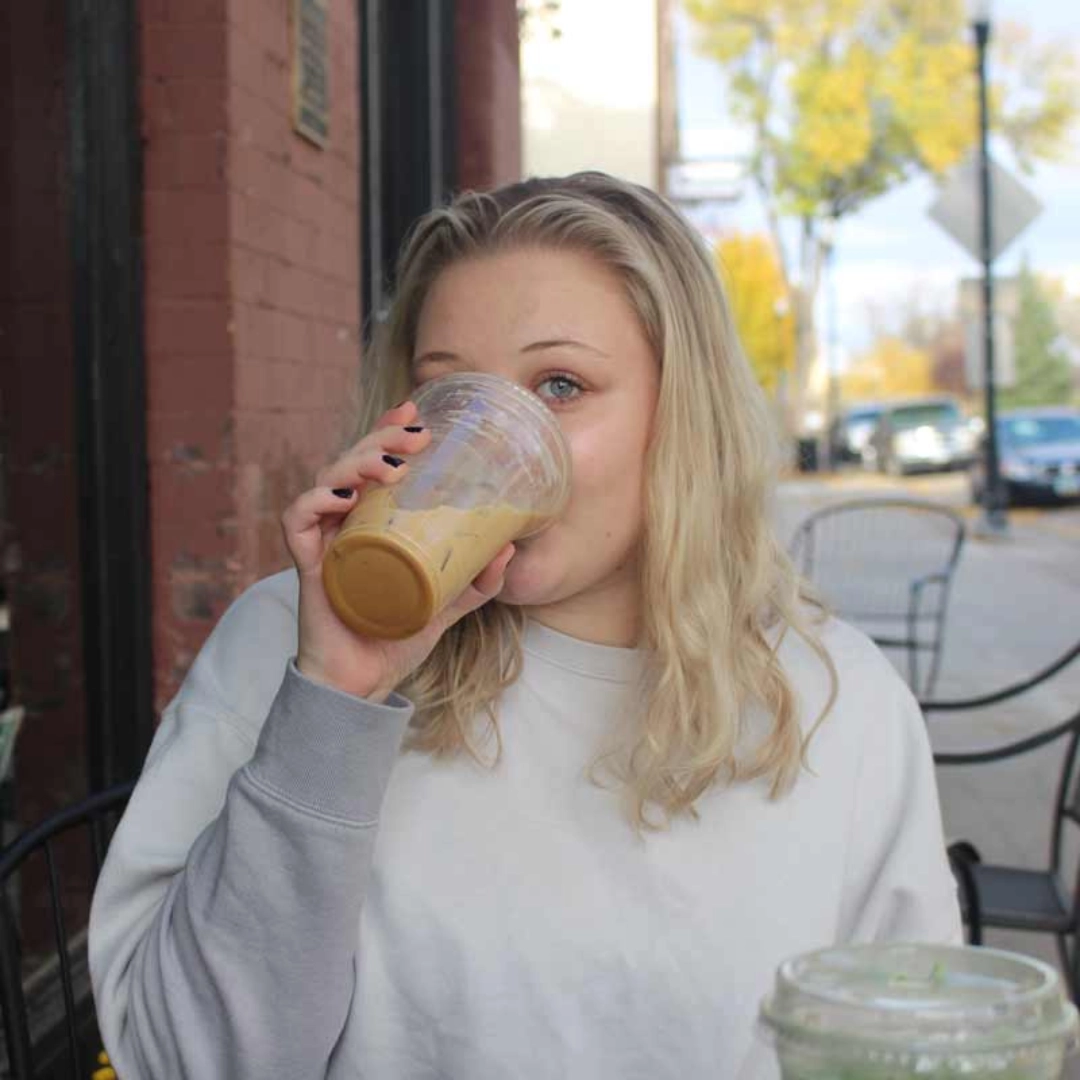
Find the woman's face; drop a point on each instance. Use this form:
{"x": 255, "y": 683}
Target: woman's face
{"x": 559, "y": 323}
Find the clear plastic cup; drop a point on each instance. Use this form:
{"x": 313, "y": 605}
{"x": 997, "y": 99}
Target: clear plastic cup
{"x": 894, "y": 1012}
{"x": 497, "y": 469}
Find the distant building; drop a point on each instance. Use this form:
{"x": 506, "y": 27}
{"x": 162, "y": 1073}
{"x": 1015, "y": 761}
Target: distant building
{"x": 589, "y": 86}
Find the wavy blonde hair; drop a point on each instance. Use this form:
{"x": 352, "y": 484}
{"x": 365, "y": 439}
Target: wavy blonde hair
{"x": 719, "y": 593}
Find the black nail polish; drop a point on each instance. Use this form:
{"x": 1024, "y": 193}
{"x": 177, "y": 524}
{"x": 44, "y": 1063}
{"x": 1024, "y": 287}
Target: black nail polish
{"x": 343, "y": 493}
{"x": 414, "y": 430}
{"x": 395, "y": 461}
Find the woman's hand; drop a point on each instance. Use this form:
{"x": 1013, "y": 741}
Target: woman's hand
{"x": 329, "y": 652}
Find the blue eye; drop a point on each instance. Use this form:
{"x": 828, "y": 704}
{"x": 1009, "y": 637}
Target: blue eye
{"x": 561, "y": 388}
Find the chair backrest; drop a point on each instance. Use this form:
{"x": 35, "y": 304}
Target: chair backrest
{"x": 1067, "y": 797}
{"x": 1067, "y": 803}
{"x": 864, "y": 555}
{"x": 97, "y": 815}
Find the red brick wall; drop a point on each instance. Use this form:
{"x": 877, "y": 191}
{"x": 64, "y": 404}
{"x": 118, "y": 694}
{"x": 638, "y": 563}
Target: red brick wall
{"x": 189, "y": 345}
{"x": 252, "y": 280}
{"x": 252, "y": 265}
{"x": 39, "y": 540}
{"x": 295, "y": 267}
{"x": 488, "y": 93}
{"x": 39, "y": 536}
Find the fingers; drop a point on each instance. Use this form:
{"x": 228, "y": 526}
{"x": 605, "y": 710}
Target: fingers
{"x": 302, "y": 523}
{"x": 362, "y": 467}
{"x": 398, "y": 416}
{"x": 485, "y": 587}
{"x": 380, "y": 456}
{"x": 489, "y": 582}
{"x": 407, "y": 439}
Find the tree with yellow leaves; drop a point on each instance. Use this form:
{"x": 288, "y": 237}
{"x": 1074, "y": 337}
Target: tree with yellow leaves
{"x": 760, "y": 304}
{"x": 849, "y": 98}
{"x": 890, "y": 369}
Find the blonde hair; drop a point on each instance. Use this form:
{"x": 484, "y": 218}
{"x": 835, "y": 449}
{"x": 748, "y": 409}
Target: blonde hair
{"x": 716, "y": 584}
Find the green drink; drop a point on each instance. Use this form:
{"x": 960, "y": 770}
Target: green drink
{"x": 918, "y": 1012}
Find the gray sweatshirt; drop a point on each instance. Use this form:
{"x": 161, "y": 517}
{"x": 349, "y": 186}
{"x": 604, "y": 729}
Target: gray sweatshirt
{"x": 290, "y": 895}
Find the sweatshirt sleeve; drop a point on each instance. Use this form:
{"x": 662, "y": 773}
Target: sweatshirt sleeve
{"x": 898, "y": 885}
{"x": 226, "y": 919}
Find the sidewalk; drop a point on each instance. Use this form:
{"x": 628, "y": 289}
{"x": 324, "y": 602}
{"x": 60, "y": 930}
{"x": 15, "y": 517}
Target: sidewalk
{"x": 1015, "y": 607}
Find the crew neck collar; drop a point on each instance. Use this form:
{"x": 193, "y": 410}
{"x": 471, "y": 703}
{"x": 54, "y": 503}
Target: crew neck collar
{"x": 608, "y": 662}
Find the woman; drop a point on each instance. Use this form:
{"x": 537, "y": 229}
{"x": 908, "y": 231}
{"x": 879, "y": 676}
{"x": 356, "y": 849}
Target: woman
{"x": 571, "y": 828}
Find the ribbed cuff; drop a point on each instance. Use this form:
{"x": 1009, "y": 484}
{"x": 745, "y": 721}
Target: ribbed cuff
{"x": 327, "y": 750}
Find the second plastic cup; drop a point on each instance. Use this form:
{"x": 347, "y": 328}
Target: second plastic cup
{"x": 924, "y": 1012}
{"x": 497, "y": 469}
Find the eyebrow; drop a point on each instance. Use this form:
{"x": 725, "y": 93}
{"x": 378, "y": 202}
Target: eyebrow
{"x": 438, "y": 356}
{"x": 556, "y": 343}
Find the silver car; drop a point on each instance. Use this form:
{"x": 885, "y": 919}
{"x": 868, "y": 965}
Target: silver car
{"x": 923, "y": 435}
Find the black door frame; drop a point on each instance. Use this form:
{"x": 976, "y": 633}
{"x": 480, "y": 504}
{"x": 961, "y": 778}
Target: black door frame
{"x": 110, "y": 381}
{"x": 408, "y": 131}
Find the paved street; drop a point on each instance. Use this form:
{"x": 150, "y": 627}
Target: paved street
{"x": 1015, "y": 607}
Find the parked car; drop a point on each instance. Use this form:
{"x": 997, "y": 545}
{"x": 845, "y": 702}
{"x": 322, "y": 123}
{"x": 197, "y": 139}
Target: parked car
{"x": 1038, "y": 455}
{"x": 850, "y": 432}
{"x": 922, "y": 435}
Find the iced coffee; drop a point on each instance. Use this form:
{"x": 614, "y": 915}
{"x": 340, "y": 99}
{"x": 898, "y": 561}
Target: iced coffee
{"x": 496, "y": 470}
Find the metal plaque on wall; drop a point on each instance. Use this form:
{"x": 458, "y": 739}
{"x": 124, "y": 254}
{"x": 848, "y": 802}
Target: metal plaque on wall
{"x": 311, "y": 69}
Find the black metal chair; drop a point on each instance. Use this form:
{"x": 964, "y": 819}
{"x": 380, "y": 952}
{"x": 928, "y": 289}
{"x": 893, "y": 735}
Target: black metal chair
{"x": 1018, "y": 898}
{"x": 98, "y": 814}
{"x": 887, "y": 565}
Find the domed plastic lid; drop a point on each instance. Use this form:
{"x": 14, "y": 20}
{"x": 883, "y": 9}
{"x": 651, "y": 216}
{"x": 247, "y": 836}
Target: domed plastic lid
{"x": 918, "y": 1004}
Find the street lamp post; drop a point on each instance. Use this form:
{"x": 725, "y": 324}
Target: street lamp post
{"x": 994, "y": 517}
{"x": 832, "y": 402}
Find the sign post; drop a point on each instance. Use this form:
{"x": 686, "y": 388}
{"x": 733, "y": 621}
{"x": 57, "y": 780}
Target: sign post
{"x": 984, "y": 208}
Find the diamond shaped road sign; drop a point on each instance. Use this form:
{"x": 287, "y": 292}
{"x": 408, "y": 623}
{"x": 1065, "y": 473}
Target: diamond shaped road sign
{"x": 957, "y": 209}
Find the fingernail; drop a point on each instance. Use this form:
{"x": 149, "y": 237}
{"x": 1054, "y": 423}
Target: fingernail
{"x": 400, "y": 403}
{"x": 391, "y": 460}
{"x": 343, "y": 493}
{"x": 414, "y": 430}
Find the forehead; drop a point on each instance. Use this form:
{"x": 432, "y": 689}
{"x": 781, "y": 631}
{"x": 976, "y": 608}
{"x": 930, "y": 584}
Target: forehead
{"x": 525, "y": 290}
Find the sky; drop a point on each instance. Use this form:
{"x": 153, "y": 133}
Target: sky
{"x": 891, "y": 248}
